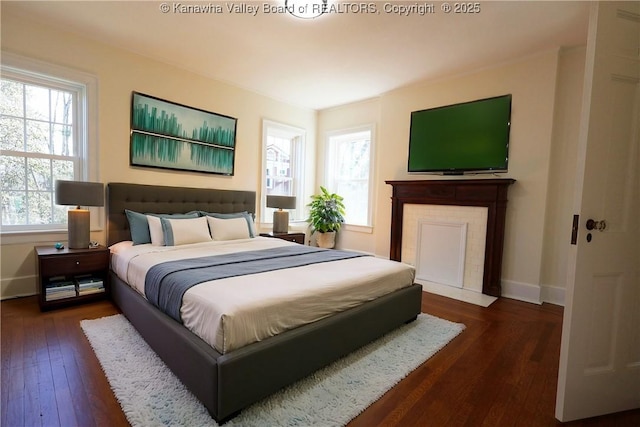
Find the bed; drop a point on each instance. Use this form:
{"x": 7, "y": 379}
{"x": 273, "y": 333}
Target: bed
{"x": 226, "y": 380}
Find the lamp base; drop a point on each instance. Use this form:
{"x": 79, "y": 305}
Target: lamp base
{"x": 280, "y": 221}
{"x": 78, "y": 225}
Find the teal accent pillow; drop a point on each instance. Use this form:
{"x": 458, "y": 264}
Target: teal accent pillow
{"x": 139, "y": 227}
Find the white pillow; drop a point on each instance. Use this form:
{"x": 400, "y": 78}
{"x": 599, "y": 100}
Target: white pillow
{"x": 120, "y": 246}
{"x": 183, "y": 231}
{"x": 155, "y": 229}
{"x": 228, "y": 229}
{"x": 245, "y": 214}
{"x": 155, "y": 226}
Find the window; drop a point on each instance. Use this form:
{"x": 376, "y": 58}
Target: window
{"x": 283, "y": 167}
{"x": 43, "y": 137}
{"x": 349, "y": 172}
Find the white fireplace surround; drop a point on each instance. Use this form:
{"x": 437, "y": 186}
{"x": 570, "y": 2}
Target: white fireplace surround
{"x": 475, "y": 220}
{"x": 441, "y": 251}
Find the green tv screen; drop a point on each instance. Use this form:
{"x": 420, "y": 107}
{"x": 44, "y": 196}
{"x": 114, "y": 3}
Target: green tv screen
{"x": 467, "y": 137}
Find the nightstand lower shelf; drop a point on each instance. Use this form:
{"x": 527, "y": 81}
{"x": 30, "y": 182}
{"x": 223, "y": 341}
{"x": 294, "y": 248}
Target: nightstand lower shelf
{"x": 71, "y": 276}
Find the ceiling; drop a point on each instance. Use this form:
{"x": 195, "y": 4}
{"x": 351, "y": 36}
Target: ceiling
{"x": 339, "y": 57}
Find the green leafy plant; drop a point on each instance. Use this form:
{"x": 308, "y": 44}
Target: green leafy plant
{"x": 326, "y": 211}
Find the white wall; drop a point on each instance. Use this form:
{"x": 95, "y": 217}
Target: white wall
{"x": 119, "y": 73}
{"x": 543, "y": 112}
{"x": 562, "y": 175}
{"x": 341, "y": 118}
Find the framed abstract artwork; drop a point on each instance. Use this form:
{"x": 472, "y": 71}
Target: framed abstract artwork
{"x": 173, "y": 136}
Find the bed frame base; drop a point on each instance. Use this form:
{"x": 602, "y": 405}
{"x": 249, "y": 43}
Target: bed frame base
{"x": 227, "y": 383}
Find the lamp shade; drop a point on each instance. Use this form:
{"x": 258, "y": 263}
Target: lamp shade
{"x": 281, "y": 202}
{"x": 79, "y": 193}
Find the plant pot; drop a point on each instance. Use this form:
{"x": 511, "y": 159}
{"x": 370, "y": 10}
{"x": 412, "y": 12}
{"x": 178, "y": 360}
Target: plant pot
{"x": 326, "y": 240}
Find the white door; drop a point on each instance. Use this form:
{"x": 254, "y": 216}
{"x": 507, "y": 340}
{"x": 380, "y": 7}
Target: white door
{"x": 600, "y": 350}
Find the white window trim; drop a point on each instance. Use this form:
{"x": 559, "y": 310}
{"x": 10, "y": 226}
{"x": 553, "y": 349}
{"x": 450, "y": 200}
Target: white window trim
{"x": 340, "y": 132}
{"x": 88, "y": 122}
{"x": 299, "y": 172}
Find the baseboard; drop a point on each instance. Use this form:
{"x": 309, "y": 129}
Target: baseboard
{"x": 14, "y": 287}
{"x": 536, "y": 294}
{"x": 522, "y": 291}
{"x": 553, "y": 294}
{"x": 459, "y": 294}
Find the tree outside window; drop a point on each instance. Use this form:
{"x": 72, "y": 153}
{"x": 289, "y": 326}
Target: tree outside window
{"x": 349, "y": 167}
{"x": 39, "y": 141}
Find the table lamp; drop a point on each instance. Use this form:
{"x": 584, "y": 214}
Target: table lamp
{"x": 280, "y": 217}
{"x": 79, "y": 193}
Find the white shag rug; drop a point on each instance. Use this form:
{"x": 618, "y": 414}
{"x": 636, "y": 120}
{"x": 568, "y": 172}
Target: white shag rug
{"x": 150, "y": 395}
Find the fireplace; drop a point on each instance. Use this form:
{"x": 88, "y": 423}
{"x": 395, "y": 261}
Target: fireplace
{"x": 485, "y": 193}
{"x": 446, "y": 244}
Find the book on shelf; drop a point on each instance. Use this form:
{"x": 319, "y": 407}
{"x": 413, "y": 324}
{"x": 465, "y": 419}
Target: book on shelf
{"x": 60, "y": 291}
{"x": 88, "y": 279}
{"x": 96, "y": 284}
{"x": 89, "y": 291}
{"x": 60, "y": 295}
{"x": 59, "y": 283}
{"x": 60, "y": 287}
{"x": 89, "y": 285}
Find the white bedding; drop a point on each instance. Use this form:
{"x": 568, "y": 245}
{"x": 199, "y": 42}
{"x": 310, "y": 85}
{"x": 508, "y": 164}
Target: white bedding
{"x": 233, "y": 312}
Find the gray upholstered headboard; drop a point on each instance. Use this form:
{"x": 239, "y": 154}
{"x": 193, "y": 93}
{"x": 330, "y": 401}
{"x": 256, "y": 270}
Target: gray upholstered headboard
{"x": 163, "y": 199}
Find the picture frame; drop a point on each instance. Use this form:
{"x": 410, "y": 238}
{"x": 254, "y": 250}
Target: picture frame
{"x": 169, "y": 135}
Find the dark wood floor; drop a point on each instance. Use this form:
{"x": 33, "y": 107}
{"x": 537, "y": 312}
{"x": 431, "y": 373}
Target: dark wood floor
{"x": 501, "y": 371}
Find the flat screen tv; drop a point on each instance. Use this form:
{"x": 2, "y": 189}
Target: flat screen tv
{"x": 471, "y": 137}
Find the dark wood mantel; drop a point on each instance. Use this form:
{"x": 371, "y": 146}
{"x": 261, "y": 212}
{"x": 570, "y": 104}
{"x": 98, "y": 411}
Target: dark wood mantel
{"x": 489, "y": 193}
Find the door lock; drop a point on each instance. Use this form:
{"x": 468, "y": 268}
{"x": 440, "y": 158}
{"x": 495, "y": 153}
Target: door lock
{"x": 596, "y": 225}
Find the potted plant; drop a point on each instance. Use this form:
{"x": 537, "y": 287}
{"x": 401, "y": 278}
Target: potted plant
{"x": 326, "y": 216}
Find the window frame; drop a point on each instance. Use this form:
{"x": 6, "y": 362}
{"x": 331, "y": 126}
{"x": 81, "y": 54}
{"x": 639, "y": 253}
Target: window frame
{"x": 273, "y": 128}
{"x": 331, "y": 138}
{"x": 85, "y": 88}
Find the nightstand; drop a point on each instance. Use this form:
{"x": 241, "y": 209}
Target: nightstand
{"x": 291, "y": 237}
{"x": 71, "y": 276}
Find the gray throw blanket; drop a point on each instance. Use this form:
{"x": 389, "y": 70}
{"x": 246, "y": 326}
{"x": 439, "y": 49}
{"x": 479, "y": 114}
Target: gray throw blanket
{"x": 166, "y": 283}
